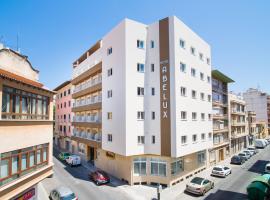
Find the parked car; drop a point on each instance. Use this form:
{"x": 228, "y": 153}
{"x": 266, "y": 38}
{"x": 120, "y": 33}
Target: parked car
{"x": 62, "y": 193}
{"x": 74, "y": 160}
{"x": 266, "y": 141}
{"x": 251, "y": 153}
{"x": 253, "y": 149}
{"x": 99, "y": 177}
{"x": 220, "y": 170}
{"x": 63, "y": 155}
{"x": 267, "y": 168}
{"x": 244, "y": 155}
{"x": 259, "y": 143}
{"x": 238, "y": 160}
{"x": 199, "y": 186}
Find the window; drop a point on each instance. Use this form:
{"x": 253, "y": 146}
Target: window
{"x": 192, "y": 51}
{"x": 203, "y": 116}
{"x": 201, "y": 56}
{"x": 153, "y": 139}
{"x": 109, "y": 93}
{"x": 153, "y": 91}
{"x": 194, "y": 138}
{"x": 140, "y": 91}
{"x": 182, "y": 67}
{"x": 209, "y": 117}
{"x": 109, "y": 72}
{"x": 182, "y": 43}
{"x": 183, "y": 91}
{"x": 109, "y": 138}
{"x": 65, "y": 104}
{"x": 158, "y": 167}
{"x": 202, "y": 96}
{"x": 209, "y": 97}
{"x": 194, "y": 116}
{"x": 140, "y": 44}
{"x": 140, "y": 67}
{"x": 152, "y": 44}
{"x": 203, "y": 136}
{"x": 210, "y": 136}
{"x": 140, "y": 139}
{"x": 193, "y": 94}
{"x": 109, "y": 115}
{"x": 65, "y": 93}
{"x": 153, "y": 115}
{"x": 152, "y": 67}
{"x": 61, "y": 105}
{"x": 208, "y": 61}
{"x": 201, "y": 157}
{"x": 208, "y": 79}
{"x": 183, "y": 139}
{"x": 68, "y": 91}
{"x": 193, "y": 72}
{"x": 139, "y": 166}
{"x": 177, "y": 167}
{"x": 140, "y": 115}
{"x": 61, "y": 95}
{"x": 69, "y": 103}
{"x": 109, "y": 51}
{"x": 183, "y": 115}
{"x": 202, "y": 76}
{"x": 81, "y": 148}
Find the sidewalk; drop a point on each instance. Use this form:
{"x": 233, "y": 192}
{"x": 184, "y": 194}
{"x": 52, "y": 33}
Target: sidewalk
{"x": 42, "y": 194}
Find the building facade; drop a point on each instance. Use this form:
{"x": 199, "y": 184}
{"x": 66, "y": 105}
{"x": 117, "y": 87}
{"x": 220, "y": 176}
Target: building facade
{"x": 143, "y": 102}
{"x": 239, "y": 124}
{"x": 26, "y": 127}
{"x": 221, "y": 123}
{"x": 252, "y": 130}
{"x": 63, "y": 116}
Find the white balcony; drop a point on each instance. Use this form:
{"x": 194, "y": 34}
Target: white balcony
{"x": 87, "y": 118}
{"x": 88, "y": 135}
{"x": 89, "y": 101}
{"x": 88, "y": 83}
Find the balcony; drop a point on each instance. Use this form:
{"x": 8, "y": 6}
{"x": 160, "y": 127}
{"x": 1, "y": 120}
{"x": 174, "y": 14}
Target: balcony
{"x": 92, "y": 103}
{"x": 237, "y": 112}
{"x": 220, "y": 128}
{"x": 220, "y": 116}
{"x": 235, "y": 135}
{"x": 87, "y": 87}
{"x": 91, "y": 121}
{"x": 91, "y": 139}
{"x": 238, "y": 123}
{"x": 220, "y": 103}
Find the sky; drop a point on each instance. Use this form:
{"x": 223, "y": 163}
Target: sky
{"x": 54, "y": 33}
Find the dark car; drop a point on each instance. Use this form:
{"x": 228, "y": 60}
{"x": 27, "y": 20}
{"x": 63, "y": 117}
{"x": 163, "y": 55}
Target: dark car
{"x": 99, "y": 177}
{"x": 238, "y": 160}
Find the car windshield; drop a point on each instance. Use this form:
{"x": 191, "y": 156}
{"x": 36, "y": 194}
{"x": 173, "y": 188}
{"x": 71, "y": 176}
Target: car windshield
{"x": 197, "y": 180}
{"x": 217, "y": 169}
{"x": 66, "y": 154}
{"x": 241, "y": 154}
{"x": 250, "y": 148}
{"x": 68, "y": 197}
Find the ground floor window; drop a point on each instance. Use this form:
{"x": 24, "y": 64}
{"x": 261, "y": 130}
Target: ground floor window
{"x": 158, "y": 167}
{"x": 139, "y": 166}
{"x": 177, "y": 166}
{"x": 201, "y": 157}
{"x": 81, "y": 148}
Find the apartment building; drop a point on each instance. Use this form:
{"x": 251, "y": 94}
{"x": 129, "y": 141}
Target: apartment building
{"x": 143, "y": 102}
{"x": 221, "y": 123}
{"x": 26, "y": 127}
{"x": 239, "y": 124}
{"x": 252, "y": 130}
{"x": 257, "y": 101}
{"x": 63, "y": 116}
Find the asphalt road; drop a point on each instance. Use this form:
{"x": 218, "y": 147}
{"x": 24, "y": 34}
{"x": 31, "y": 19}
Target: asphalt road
{"x": 233, "y": 187}
{"x": 77, "y": 180}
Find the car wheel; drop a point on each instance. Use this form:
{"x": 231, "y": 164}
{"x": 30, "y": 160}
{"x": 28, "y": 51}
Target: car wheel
{"x": 212, "y": 186}
{"x": 231, "y": 172}
{"x": 203, "y": 193}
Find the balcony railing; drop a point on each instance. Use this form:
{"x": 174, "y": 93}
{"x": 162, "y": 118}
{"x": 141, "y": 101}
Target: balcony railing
{"x": 89, "y": 101}
{"x": 87, "y": 135}
{"x": 219, "y": 141}
{"x": 87, "y": 84}
{"x": 237, "y": 111}
{"x": 91, "y": 118}
{"x": 238, "y": 123}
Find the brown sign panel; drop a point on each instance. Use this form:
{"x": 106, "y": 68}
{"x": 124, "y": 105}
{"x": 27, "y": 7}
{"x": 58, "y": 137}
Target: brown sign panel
{"x": 165, "y": 119}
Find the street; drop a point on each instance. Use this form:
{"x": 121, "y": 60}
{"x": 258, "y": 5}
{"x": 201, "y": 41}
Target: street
{"x": 77, "y": 180}
{"x": 234, "y": 186}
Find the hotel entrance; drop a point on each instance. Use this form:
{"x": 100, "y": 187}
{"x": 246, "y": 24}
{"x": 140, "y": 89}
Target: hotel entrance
{"x": 91, "y": 153}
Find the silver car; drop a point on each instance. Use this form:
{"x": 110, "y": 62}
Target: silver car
{"x": 62, "y": 193}
{"x": 199, "y": 186}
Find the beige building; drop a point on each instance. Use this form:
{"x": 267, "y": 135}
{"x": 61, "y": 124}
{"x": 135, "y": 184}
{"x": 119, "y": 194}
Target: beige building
{"x": 238, "y": 121}
{"x": 26, "y": 127}
{"x": 221, "y": 133}
{"x": 262, "y": 129}
{"x": 252, "y": 130}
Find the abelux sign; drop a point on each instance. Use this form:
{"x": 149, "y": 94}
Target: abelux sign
{"x": 165, "y": 119}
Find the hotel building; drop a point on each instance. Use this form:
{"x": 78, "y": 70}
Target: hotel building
{"x": 143, "y": 102}
{"x": 221, "y": 123}
{"x": 63, "y": 116}
{"x": 239, "y": 124}
{"x": 26, "y": 127}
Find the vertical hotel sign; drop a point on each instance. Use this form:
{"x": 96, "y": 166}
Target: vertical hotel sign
{"x": 165, "y": 119}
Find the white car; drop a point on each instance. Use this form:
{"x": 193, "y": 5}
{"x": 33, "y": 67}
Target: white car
{"x": 74, "y": 160}
{"x": 220, "y": 170}
{"x": 252, "y": 153}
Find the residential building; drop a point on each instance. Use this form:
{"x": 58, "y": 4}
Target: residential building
{"x": 252, "y": 130}
{"x": 144, "y": 114}
{"x": 63, "y": 116}
{"x": 257, "y": 101}
{"x": 221, "y": 123}
{"x": 26, "y": 127}
{"x": 262, "y": 129}
{"x": 239, "y": 125}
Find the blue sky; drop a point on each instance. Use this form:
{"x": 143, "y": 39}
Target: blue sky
{"x": 53, "y": 33}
